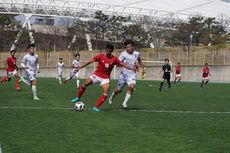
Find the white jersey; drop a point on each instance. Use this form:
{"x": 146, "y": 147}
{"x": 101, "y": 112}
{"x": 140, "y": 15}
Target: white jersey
{"x": 130, "y": 59}
{"x": 76, "y": 63}
{"x": 30, "y": 61}
{"x": 60, "y": 66}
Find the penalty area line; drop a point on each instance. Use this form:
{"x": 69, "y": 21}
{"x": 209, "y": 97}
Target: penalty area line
{"x": 171, "y": 111}
{"x": 129, "y": 110}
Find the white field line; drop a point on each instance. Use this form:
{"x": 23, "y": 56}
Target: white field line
{"x": 0, "y": 148}
{"x": 130, "y": 110}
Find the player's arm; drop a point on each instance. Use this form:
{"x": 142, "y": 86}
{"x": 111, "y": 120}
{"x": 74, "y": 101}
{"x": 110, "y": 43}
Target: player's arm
{"x": 84, "y": 65}
{"x": 23, "y": 64}
{"x": 142, "y": 67}
{"x": 38, "y": 67}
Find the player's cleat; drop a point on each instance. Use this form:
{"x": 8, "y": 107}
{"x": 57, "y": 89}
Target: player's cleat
{"x": 60, "y": 83}
{"x": 95, "y": 109}
{"x": 110, "y": 99}
{"x": 75, "y": 100}
{"x": 124, "y": 106}
{"x": 160, "y": 89}
{"x": 36, "y": 98}
{"x": 65, "y": 81}
{"x": 18, "y": 88}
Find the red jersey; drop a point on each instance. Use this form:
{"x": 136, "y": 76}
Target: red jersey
{"x": 205, "y": 72}
{"x": 178, "y": 69}
{"x": 105, "y": 65}
{"x": 11, "y": 64}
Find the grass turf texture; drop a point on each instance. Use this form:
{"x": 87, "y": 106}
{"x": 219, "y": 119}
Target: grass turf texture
{"x": 115, "y": 130}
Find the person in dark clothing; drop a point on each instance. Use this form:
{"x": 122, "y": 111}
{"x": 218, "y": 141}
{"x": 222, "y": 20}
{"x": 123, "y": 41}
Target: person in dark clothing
{"x": 166, "y": 68}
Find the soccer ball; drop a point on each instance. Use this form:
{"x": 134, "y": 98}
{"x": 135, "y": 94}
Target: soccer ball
{"x": 79, "y": 106}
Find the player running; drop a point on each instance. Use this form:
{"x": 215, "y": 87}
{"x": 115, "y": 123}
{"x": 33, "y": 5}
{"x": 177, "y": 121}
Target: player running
{"x": 205, "y": 76}
{"x": 106, "y": 62}
{"x": 131, "y": 58}
{"x": 12, "y": 70}
{"x": 75, "y": 72}
{"x": 166, "y": 76}
{"x": 178, "y": 74}
{"x": 31, "y": 66}
{"x": 60, "y": 68}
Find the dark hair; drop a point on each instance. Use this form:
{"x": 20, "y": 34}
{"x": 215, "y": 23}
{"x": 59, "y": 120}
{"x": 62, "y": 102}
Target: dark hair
{"x": 206, "y": 64}
{"x": 109, "y": 46}
{"x": 129, "y": 41}
{"x": 13, "y": 50}
{"x": 60, "y": 59}
{"x": 178, "y": 63}
{"x": 77, "y": 55}
{"x": 31, "y": 45}
{"x": 166, "y": 60}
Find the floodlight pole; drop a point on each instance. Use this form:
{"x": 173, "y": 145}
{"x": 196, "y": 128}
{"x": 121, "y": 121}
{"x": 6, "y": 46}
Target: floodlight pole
{"x": 27, "y": 22}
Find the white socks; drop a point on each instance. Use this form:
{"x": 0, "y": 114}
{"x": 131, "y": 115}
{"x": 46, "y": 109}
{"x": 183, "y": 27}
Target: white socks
{"x": 111, "y": 98}
{"x": 34, "y": 90}
{"x": 59, "y": 78}
{"x": 26, "y": 82}
{"x": 127, "y": 97}
{"x": 78, "y": 83}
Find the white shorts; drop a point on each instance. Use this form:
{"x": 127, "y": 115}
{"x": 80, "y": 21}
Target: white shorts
{"x": 74, "y": 74}
{"x": 178, "y": 75}
{"x": 60, "y": 71}
{"x": 126, "y": 79}
{"x": 10, "y": 74}
{"x": 97, "y": 79}
{"x": 205, "y": 78}
{"x": 31, "y": 75}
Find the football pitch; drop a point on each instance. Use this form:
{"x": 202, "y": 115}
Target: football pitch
{"x": 183, "y": 119}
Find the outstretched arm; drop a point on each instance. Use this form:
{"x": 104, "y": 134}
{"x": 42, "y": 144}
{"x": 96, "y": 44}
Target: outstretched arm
{"x": 84, "y": 65}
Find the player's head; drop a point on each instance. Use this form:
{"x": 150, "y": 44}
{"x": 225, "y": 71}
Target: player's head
{"x": 60, "y": 60}
{"x": 178, "y": 63}
{"x": 12, "y": 53}
{"x": 129, "y": 45}
{"x": 109, "y": 49}
{"x": 206, "y": 64}
{"x": 77, "y": 56}
{"x": 31, "y": 48}
{"x": 166, "y": 61}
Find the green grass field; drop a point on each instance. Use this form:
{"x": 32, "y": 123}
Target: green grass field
{"x": 183, "y": 119}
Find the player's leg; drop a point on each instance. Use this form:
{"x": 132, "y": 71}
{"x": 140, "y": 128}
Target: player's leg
{"x": 176, "y": 79}
{"x": 72, "y": 74}
{"x": 101, "y": 100}
{"x": 82, "y": 89}
{"x": 7, "y": 78}
{"x": 16, "y": 75}
{"x": 128, "y": 95}
{"x": 27, "y": 82}
{"x": 33, "y": 85}
{"x": 202, "y": 83}
{"x": 206, "y": 81}
{"x": 131, "y": 81}
{"x": 179, "y": 79}
{"x": 120, "y": 84}
{"x": 77, "y": 79}
{"x": 168, "y": 81}
{"x": 162, "y": 82}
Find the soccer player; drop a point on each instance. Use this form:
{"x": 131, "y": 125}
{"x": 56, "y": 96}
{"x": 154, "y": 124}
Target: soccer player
{"x": 75, "y": 73}
{"x": 31, "y": 66}
{"x": 11, "y": 69}
{"x": 166, "y": 76}
{"x": 131, "y": 58}
{"x": 205, "y": 76}
{"x": 106, "y": 62}
{"x": 178, "y": 74}
{"x": 60, "y": 68}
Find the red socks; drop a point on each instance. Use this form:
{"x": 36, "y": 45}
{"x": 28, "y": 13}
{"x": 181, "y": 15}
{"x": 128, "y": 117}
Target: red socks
{"x": 81, "y": 91}
{"x": 101, "y": 100}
